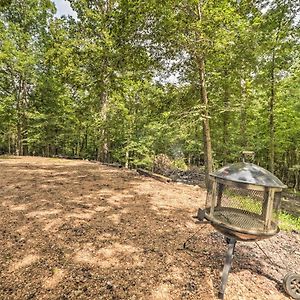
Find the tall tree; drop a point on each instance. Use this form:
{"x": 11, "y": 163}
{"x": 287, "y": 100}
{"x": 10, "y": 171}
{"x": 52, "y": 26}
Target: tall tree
{"x": 195, "y": 31}
{"x": 279, "y": 30}
{"x": 22, "y": 24}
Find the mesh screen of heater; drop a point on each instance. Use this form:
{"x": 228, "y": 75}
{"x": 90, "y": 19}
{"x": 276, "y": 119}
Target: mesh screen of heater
{"x": 243, "y": 208}
{"x": 249, "y": 201}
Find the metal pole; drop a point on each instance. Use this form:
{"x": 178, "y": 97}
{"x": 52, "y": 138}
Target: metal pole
{"x": 227, "y": 267}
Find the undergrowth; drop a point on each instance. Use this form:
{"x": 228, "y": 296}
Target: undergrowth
{"x": 288, "y": 222}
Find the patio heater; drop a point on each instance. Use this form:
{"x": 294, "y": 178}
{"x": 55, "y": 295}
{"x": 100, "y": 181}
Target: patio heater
{"x": 243, "y": 204}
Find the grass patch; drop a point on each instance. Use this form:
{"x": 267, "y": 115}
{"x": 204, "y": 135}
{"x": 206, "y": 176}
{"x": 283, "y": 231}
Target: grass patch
{"x": 288, "y": 222}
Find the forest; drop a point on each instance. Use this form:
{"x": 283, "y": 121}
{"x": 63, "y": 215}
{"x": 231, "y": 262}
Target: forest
{"x": 124, "y": 81}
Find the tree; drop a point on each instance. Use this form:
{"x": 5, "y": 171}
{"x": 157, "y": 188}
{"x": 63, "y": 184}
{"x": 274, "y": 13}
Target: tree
{"x": 22, "y": 24}
{"x": 279, "y": 39}
{"x": 198, "y": 80}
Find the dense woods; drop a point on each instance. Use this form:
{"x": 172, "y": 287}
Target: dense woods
{"x": 125, "y": 81}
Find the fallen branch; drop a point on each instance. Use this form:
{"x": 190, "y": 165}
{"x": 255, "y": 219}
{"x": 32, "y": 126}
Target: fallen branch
{"x": 154, "y": 175}
{"x": 115, "y": 165}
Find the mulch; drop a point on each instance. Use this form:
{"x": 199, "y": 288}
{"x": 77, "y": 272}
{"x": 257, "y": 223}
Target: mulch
{"x": 78, "y": 230}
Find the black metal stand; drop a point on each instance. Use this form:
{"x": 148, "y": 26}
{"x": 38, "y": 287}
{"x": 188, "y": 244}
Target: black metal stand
{"x": 227, "y": 266}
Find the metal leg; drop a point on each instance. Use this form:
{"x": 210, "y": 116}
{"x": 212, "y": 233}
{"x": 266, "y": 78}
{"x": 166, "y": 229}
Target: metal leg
{"x": 227, "y": 266}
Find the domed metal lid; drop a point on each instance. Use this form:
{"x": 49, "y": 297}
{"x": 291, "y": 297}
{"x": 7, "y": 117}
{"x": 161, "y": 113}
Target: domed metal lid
{"x": 248, "y": 173}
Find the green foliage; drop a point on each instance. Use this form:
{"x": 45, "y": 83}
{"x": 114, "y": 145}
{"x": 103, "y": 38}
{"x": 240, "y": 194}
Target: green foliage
{"x": 180, "y": 164}
{"x": 102, "y": 86}
{"x": 288, "y": 222}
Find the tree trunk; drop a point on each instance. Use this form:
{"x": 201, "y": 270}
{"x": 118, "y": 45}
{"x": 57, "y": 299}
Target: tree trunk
{"x": 127, "y": 159}
{"x": 273, "y": 97}
{"x": 225, "y": 117}
{"x": 86, "y": 140}
{"x": 243, "y": 116}
{"x": 208, "y": 161}
{"x": 271, "y": 116}
{"x": 21, "y": 97}
{"x": 205, "y": 123}
{"x": 9, "y": 141}
{"x": 24, "y": 135}
{"x": 19, "y": 129}
{"x": 103, "y": 148}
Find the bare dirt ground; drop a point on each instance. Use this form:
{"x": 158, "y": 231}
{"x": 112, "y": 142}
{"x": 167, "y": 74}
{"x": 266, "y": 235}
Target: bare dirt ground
{"x": 80, "y": 230}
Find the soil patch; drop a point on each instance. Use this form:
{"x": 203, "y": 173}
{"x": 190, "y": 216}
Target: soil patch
{"x": 81, "y": 230}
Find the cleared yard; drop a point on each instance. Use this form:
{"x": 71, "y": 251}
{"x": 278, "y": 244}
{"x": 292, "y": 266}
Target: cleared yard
{"x": 79, "y": 230}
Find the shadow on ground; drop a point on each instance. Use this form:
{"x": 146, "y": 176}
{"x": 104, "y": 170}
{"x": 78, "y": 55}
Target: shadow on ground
{"x": 78, "y": 230}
